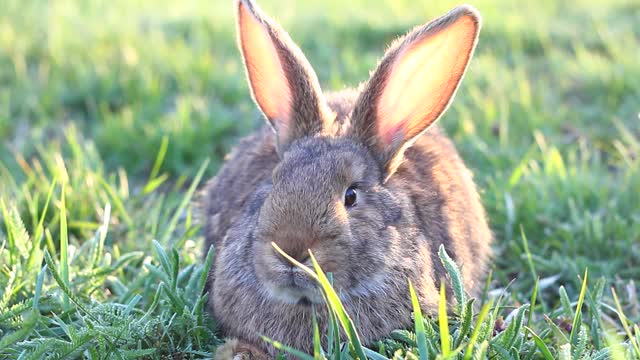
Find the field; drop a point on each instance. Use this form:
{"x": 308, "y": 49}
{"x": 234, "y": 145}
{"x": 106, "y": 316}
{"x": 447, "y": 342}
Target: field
{"x": 114, "y": 113}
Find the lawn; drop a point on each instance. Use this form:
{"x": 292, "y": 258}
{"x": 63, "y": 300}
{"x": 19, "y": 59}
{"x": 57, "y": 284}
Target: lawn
{"x": 114, "y": 113}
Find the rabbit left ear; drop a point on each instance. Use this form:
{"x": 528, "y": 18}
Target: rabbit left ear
{"x": 414, "y": 84}
{"x": 282, "y": 82}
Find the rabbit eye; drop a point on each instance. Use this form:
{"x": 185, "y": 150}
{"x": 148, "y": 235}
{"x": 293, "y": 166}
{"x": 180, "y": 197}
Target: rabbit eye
{"x": 350, "y": 197}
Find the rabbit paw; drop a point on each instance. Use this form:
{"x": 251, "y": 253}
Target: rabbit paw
{"x": 234, "y": 349}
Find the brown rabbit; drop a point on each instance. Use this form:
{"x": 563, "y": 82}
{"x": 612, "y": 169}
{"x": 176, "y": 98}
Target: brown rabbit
{"x": 359, "y": 177}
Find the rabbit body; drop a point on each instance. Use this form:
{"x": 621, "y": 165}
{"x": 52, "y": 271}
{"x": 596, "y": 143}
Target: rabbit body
{"x": 371, "y": 193}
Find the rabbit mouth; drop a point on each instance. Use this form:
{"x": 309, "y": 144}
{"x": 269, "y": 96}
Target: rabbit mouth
{"x": 296, "y": 296}
{"x": 293, "y": 290}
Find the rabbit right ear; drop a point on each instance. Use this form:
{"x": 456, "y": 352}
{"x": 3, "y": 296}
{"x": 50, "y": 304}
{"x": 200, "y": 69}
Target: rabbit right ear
{"x": 414, "y": 84}
{"x": 282, "y": 82}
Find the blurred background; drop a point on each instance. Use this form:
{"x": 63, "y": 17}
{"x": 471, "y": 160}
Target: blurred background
{"x": 548, "y": 116}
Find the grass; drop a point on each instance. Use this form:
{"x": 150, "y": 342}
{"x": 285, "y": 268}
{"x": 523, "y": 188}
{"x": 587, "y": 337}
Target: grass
{"x": 112, "y": 114}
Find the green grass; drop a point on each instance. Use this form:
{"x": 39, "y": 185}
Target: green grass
{"x": 113, "y": 113}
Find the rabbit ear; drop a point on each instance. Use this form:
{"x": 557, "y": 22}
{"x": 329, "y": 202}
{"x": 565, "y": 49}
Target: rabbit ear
{"x": 414, "y": 84}
{"x": 282, "y": 82}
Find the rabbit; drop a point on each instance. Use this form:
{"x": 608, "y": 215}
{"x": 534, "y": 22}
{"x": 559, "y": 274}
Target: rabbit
{"x": 360, "y": 177}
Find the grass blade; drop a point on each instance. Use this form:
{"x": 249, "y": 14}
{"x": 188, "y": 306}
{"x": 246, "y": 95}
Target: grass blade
{"x": 625, "y": 325}
{"x": 115, "y": 198}
{"x": 339, "y": 309}
{"x": 476, "y": 330}
{"x": 421, "y": 335}
{"x": 561, "y": 338}
{"x": 456, "y": 279}
{"x": 540, "y": 344}
{"x": 37, "y": 236}
{"x": 578, "y": 315}
{"x": 173, "y": 223}
{"x": 443, "y": 321}
{"x": 317, "y": 345}
{"x": 64, "y": 240}
{"x": 465, "y": 326}
{"x": 280, "y": 346}
{"x": 525, "y": 244}
{"x": 332, "y": 298}
{"x": 164, "y": 145}
{"x": 65, "y": 288}
{"x": 38, "y": 290}
{"x": 534, "y": 297}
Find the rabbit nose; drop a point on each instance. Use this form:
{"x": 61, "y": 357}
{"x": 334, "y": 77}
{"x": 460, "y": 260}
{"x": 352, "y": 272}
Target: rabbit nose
{"x": 305, "y": 259}
{"x": 302, "y": 257}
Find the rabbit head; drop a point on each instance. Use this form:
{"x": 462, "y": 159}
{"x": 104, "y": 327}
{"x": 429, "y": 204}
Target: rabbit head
{"x": 333, "y": 190}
